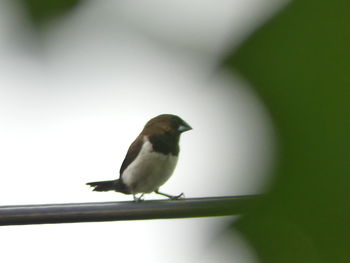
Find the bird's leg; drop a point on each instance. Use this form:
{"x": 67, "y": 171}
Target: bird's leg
{"x": 137, "y": 199}
{"x": 172, "y": 197}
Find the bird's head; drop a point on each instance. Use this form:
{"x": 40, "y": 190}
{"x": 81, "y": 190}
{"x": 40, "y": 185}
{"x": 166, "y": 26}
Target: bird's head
{"x": 168, "y": 123}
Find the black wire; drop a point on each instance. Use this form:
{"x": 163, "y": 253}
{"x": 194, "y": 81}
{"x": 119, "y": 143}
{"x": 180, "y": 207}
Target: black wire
{"x": 114, "y": 211}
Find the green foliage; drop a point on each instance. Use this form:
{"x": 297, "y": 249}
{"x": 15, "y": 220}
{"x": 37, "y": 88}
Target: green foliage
{"x": 42, "y": 11}
{"x": 299, "y": 63}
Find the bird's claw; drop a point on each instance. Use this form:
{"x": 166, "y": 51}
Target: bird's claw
{"x": 171, "y": 197}
{"x": 138, "y": 199}
{"x": 177, "y": 197}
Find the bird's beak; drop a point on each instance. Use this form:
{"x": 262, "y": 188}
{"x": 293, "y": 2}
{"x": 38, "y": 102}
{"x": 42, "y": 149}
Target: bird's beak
{"x": 184, "y": 127}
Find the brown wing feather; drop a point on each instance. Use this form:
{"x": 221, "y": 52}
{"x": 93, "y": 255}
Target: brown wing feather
{"x": 133, "y": 151}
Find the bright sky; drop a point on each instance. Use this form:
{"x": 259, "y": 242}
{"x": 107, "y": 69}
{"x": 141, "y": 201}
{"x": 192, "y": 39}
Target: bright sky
{"x": 72, "y": 102}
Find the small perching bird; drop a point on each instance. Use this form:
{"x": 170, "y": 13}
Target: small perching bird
{"x": 150, "y": 160}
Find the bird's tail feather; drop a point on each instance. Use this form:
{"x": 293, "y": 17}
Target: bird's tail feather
{"x": 112, "y": 185}
{"x": 103, "y": 185}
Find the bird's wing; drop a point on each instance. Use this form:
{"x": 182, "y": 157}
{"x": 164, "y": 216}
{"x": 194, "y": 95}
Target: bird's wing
{"x": 133, "y": 151}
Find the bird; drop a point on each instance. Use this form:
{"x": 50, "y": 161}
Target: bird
{"x": 150, "y": 159}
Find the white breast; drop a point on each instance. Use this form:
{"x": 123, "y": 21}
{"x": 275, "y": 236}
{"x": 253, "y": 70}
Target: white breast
{"x": 149, "y": 170}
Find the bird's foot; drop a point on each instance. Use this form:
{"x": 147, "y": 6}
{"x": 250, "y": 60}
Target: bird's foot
{"x": 176, "y": 197}
{"x": 138, "y": 199}
{"x": 172, "y": 197}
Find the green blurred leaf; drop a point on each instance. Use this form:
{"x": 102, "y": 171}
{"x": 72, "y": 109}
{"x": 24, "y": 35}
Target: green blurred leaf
{"x": 42, "y": 11}
{"x": 299, "y": 64}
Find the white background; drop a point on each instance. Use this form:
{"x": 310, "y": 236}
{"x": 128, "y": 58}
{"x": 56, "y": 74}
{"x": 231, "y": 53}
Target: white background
{"x": 74, "y": 98}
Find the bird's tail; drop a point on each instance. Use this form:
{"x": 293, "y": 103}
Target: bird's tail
{"x": 112, "y": 185}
